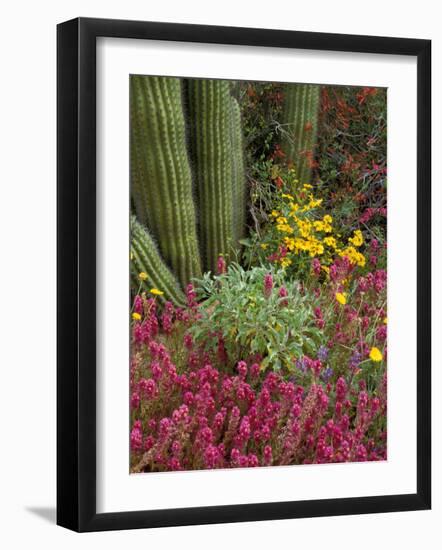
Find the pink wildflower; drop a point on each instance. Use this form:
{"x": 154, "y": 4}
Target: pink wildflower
{"x": 268, "y": 284}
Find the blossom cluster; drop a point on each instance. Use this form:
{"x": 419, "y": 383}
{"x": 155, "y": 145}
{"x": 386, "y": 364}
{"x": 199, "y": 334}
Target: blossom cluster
{"x": 300, "y": 231}
{"x": 279, "y": 356}
{"x": 193, "y": 412}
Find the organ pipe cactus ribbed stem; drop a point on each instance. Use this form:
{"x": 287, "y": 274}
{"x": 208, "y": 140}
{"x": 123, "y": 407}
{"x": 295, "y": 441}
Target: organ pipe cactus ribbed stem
{"x": 238, "y": 173}
{"x": 300, "y": 119}
{"x": 145, "y": 258}
{"x": 160, "y": 172}
{"x": 211, "y": 131}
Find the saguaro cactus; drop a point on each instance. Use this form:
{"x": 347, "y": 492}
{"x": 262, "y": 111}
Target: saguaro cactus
{"x": 238, "y": 173}
{"x": 215, "y": 149}
{"x": 147, "y": 259}
{"x": 160, "y": 172}
{"x": 300, "y": 119}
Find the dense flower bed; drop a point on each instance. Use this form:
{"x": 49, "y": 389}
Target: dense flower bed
{"x": 192, "y": 408}
{"x": 280, "y": 357}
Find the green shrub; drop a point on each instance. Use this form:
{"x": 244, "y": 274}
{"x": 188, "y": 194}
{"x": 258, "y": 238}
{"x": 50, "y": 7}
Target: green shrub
{"x": 257, "y": 312}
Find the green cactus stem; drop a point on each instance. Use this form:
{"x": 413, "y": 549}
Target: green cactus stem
{"x": 300, "y": 120}
{"x": 160, "y": 172}
{"x": 238, "y": 174}
{"x": 145, "y": 258}
{"x": 217, "y": 167}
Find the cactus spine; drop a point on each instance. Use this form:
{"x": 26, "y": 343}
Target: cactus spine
{"x": 160, "y": 172}
{"x": 146, "y": 258}
{"x": 217, "y": 172}
{"x": 300, "y": 115}
{"x": 238, "y": 173}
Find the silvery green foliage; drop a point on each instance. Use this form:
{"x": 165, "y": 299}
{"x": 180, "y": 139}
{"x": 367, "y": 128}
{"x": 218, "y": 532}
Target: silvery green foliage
{"x": 255, "y": 313}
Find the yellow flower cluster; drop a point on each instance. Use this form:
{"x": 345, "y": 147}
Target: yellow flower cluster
{"x": 353, "y": 255}
{"x": 282, "y": 225}
{"x": 331, "y": 242}
{"x": 306, "y": 239}
{"x": 357, "y": 239}
{"x": 302, "y": 233}
{"x": 313, "y": 203}
{"x": 311, "y": 245}
{"x": 304, "y": 226}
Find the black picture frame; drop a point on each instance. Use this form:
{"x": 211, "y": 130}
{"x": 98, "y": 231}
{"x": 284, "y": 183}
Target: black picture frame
{"x": 76, "y": 274}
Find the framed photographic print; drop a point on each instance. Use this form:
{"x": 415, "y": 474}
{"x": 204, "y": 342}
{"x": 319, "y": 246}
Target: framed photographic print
{"x": 226, "y": 280}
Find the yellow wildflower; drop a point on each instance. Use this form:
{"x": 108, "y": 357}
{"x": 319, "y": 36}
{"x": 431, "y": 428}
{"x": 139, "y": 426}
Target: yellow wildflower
{"x": 136, "y": 316}
{"x": 353, "y": 255}
{"x": 360, "y": 259}
{"x": 318, "y": 225}
{"x": 142, "y": 276}
{"x": 287, "y": 196}
{"x": 264, "y": 245}
{"x": 289, "y": 242}
{"x": 330, "y": 241}
{"x": 375, "y": 355}
{"x": 304, "y": 227}
{"x": 357, "y": 238}
{"x": 314, "y": 203}
{"x": 156, "y": 292}
{"x": 284, "y": 228}
{"x": 385, "y": 321}
{"x": 341, "y": 298}
{"x": 327, "y": 220}
{"x": 285, "y": 262}
{"x": 275, "y": 213}
{"x": 301, "y": 244}
{"x": 315, "y": 248}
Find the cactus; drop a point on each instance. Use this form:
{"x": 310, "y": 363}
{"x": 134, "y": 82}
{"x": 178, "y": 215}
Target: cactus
{"x": 146, "y": 258}
{"x": 300, "y": 119}
{"x": 216, "y": 155}
{"x": 160, "y": 172}
{"x": 238, "y": 177}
